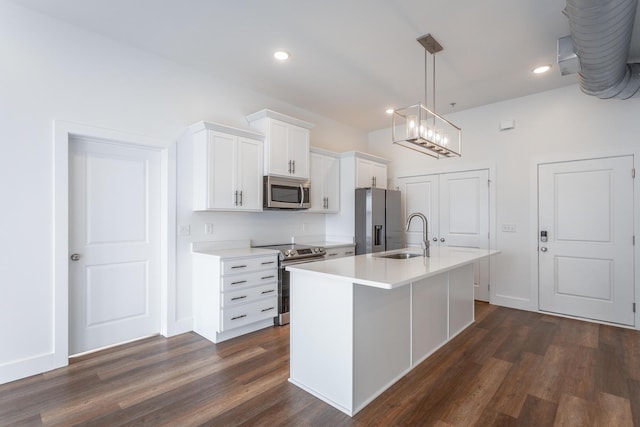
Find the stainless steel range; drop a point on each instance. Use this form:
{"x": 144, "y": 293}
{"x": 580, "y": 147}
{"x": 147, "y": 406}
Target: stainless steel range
{"x": 291, "y": 254}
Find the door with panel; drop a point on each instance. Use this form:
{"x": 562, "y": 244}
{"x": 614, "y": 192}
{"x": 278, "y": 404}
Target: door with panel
{"x": 585, "y": 220}
{"x": 464, "y": 219}
{"x": 114, "y": 230}
{"x": 457, "y": 208}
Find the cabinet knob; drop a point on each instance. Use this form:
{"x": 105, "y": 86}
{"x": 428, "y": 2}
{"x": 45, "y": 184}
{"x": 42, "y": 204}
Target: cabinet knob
{"x": 442, "y": 239}
{"x": 435, "y": 239}
{"x": 75, "y": 257}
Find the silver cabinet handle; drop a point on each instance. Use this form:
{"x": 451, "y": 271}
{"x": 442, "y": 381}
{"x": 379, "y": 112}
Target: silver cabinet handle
{"x": 75, "y": 257}
{"x": 238, "y": 266}
{"x": 238, "y": 283}
{"x": 267, "y": 292}
{"x": 442, "y": 239}
{"x": 240, "y": 198}
{"x": 267, "y": 277}
{"x": 294, "y": 166}
{"x": 267, "y": 309}
{"x": 235, "y": 198}
{"x": 239, "y": 317}
{"x": 289, "y": 166}
{"x": 268, "y": 262}
{"x": 543, "y": 249}
{"x": 237, "y": 298}
{"x": 349, "y": 253}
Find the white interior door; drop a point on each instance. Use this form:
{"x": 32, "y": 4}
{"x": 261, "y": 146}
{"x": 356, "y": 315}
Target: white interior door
{"x": 421, "y": 194}
{"x": 114, "y": 228}
{"x": 457, "y": 208}
{"x": 586, "y": 263}
{"x": 464, "y": 219}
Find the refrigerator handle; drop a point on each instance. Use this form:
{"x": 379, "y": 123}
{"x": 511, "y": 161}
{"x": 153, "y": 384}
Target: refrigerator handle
{"x": 377, "y": 235}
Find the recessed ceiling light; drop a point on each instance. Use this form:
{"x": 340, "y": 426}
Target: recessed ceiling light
{"x": 541, "y": 69}
{"x": 389, "y": 110}
{"x": 281, "y": 55}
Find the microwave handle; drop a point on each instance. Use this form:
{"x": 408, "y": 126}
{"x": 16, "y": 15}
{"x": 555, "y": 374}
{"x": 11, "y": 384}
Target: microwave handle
{"x": 301, "y": 196}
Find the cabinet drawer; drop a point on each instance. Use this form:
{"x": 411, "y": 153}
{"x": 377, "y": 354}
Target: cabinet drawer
{"x": 241, "y": 281}
{"x": 249, "y": 295}
{"x": 248, "y": 313}
{"x": 249, "y": 264}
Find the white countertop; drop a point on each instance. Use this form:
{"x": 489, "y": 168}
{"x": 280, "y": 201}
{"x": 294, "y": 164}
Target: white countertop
{"x": 372, "y": 270}
{"x": 237, "y": 253}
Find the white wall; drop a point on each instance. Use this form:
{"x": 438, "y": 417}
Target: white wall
{"x": 561, "y": 124}
{"x": 51, "y": 70}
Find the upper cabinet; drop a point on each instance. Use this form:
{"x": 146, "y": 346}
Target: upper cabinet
{"x": 369, "y": 170}
{"x": 325, "y": 181}
{"x": 286, "y": 143}
{"x": 227, "y": 168}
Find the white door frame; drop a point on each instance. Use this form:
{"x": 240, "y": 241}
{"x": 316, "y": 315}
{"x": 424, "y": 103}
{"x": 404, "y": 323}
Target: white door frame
{"x": 63, "y": 132}
{"x": 533, "y": 223}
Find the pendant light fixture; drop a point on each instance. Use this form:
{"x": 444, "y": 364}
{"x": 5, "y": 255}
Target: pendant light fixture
{"x": 417, "y": 127}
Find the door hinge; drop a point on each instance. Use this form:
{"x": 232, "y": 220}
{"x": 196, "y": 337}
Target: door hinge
{"x": 633, "y": 240}
{"x": 634, "y": 307}
{"x": 633, "y": 173}
{"x": 489, "y": 287}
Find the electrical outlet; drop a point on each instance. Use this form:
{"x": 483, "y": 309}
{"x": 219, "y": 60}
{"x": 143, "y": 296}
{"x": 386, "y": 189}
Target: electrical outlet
{"x": 509, "y": 228}
{"x": 208, "y": 228}
{"x": 184, "y": 230}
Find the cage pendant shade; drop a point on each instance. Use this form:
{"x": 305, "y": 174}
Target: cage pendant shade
{"x": 420, "y": 129}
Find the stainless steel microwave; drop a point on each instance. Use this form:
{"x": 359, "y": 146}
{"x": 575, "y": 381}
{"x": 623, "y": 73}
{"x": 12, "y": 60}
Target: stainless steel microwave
{"x": 285, "y": 193}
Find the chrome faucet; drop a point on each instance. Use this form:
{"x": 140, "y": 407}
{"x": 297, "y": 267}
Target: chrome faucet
{"x": 425, "y": 231}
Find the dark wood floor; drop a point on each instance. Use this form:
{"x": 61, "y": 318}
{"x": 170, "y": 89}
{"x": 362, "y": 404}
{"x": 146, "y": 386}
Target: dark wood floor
{"x": 510, "y": 368}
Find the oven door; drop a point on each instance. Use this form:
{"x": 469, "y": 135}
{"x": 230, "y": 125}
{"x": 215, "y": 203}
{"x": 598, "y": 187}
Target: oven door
{"x": 284, "y": 286}
{"x": 282, "y": 193}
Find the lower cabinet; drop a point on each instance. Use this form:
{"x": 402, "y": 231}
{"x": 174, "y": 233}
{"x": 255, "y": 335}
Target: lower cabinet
{"x": 234, "y": 294}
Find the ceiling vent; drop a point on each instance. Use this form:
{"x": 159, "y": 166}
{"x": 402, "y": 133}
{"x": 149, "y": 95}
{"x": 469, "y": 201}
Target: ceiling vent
{"x": 600, "y": 38}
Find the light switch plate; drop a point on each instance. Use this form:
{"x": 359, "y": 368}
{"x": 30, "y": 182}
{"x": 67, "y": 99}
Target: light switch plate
{"x": 208, "y": 228}
{"x": 184, "y": 230}
{"x": 509, "y": 228}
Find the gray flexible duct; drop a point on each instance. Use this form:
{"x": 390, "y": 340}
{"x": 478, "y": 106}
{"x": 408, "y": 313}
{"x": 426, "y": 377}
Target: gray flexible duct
{"x": 601, "y": 33}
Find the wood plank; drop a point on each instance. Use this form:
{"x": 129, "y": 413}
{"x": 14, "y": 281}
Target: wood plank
{"x": 573, "y": 411}
{"x": 513, "y": 392}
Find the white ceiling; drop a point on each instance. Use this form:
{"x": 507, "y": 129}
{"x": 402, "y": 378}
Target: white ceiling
{"x": 351, "y": 59}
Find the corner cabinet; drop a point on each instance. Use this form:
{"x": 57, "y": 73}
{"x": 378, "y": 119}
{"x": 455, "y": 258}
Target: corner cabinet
{"x": 286, "y": 143}
{"x": 325, "y": 181}
{"x": 227, "y": 168}
{"x": 235, "y": 292}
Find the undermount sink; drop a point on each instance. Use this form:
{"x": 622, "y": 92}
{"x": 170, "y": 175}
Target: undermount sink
{"x": 401, "y": 255}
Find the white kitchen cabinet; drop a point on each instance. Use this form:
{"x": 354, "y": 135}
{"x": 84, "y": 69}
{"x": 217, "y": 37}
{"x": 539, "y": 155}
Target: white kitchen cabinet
{"x": 340, "y": 251}
{"x": 227, "y": 168}
{"x": 370, "y": 173}
{"x": 325, "y": 181}
{"x": 235, "y": 292}
{"x": 286, "y": 143}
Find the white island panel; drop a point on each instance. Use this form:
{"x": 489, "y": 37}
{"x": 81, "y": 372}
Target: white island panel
{"x": 382, "y": 342}
{"x": 321, "y": 334}
{"x": 429, "y": 313}
{"x": 461, "y": 307}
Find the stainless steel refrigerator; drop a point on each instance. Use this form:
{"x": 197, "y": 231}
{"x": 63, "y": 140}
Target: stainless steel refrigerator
{"x": 379, "y": 225}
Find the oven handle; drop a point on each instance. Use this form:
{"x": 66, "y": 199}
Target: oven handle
{"x": 302, "y": 261}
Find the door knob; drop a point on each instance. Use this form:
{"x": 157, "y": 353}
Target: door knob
{"x": 442, "y": 239}
{"x": 75, "y": 257}
{"x": 543, "y": 249}
{"x": 435, "y": 239}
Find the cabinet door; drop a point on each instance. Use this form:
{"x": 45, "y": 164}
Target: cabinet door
{"x": 278, "y": 146}
{"x": 299, "y": 151}
{"x": 332, "y": 184}
{"x": 379, "y": 175}
{"x": 221, "y": 171}
{"x": 364, "y": 173}
{"x": 249, "y": 172}
{"x": 317, "y": 172}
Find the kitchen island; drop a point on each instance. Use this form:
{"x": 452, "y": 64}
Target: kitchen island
{"x": 358, "y": 324}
